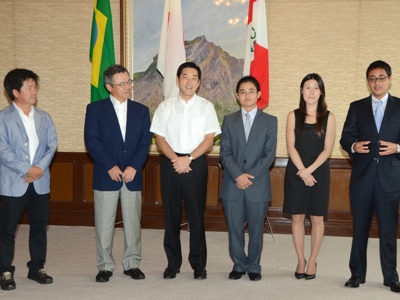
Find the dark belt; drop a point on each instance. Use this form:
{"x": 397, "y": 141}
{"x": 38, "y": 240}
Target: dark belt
{"x": 182, "y": 154}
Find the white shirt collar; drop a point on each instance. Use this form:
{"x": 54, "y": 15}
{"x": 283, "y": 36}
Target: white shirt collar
{"x": 384, "y": 98}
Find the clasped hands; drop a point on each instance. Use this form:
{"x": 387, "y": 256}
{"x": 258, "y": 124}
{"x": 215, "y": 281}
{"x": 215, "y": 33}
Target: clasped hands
{"x": 117, "y": 175}
{"x": 307, "y": 177}
{"x": 386, "y": 148}
{"x": 34, "y": 173}
{"x": 244, "y": 181}
{"x": 181, "y": 164}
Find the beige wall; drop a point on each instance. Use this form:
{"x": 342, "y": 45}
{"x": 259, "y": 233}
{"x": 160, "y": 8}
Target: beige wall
{"x": 52, "y": 37}
{"x": 335, "y": 38}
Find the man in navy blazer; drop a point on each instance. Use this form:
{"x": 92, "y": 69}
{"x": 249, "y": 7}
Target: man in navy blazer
{"x": 374, "y": 184}
{"x": 248, "y": 147}
{"x": 117, "y": 137}
{"x": 28, "y": 142}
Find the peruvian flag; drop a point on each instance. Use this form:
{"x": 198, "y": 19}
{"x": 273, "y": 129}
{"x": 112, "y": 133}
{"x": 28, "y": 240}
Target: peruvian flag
{"x": 256, "y": 58}
{"x": 171, "y": 53}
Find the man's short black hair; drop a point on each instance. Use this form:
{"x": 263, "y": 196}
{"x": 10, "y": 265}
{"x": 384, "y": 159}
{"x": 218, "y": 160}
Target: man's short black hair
{"x": 15, "y": 79}
{"x": 188, "y": 65}
{"x": 379, "y": 64}
{"x": 248, "y": 79}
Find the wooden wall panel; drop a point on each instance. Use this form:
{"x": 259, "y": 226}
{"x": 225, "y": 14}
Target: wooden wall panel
{"x": 61, "y": 184}
{"x": 71, "y": 200}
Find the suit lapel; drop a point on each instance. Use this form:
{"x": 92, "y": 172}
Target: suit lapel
{"x": 38, "y": 125}
{"x": 368, "y": 114}
{"x": 391, "y": 109}
{"x": 130, "y": 120}
{"x": 17, "y": 118}
{"x": 111, "y": 118}
{"x": 239, "y": 128}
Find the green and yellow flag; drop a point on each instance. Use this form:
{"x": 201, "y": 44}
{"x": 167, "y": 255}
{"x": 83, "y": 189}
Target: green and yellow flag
{"x": 101, "y": 47}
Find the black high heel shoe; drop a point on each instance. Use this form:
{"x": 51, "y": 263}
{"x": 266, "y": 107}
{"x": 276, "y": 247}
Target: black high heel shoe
{"x": 311, "y": 276}
{"x": 300, "y": 275}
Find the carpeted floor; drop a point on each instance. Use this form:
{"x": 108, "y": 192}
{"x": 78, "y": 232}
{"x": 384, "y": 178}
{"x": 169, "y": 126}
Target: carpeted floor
{"x": 72, "y": 263}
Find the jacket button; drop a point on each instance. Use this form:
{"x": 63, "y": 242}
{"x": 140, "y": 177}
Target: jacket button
{"x": 244, "y": 161}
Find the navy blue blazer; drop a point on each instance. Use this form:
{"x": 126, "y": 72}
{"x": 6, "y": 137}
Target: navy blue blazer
{"x": 360, "y": 126}
{"x": 105, "y": 144}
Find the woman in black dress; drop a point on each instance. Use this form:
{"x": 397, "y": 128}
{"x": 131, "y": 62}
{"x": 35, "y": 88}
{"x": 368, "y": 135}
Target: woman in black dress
{"x": 310, "y": 135}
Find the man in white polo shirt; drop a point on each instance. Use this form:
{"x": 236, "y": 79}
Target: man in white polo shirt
{"x": 185, "y": 127}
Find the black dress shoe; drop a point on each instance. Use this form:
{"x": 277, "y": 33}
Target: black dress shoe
{"x": 255, "y": 276}
{"x": 200, "y": 274}
{"x": 354, "y": 282}
{"x": 311, "y": 276}
{"x": 235, "y": 275}
{"x": 40, "y": 276}
{"x": 135, "y": 273}
{"x": 7, "y": 282}
{"x": 104, "y": 276}
{"x": 394, "y": 286}
{"x": 300, "y": 275}
{"x": 170, "y": 273}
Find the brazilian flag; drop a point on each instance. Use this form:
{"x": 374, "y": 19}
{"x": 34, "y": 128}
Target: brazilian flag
{"x": 101, "y": 48}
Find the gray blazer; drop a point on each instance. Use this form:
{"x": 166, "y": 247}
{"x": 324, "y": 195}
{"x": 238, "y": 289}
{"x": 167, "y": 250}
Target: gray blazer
{"x": 14, "y": 152}
{"x": 254, "y": 157}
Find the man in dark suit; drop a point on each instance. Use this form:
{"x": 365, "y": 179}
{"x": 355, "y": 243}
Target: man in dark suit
{"x": 117, "y": 137}
{"x": 248, "y": 146}
{"x": 373, "y": 145}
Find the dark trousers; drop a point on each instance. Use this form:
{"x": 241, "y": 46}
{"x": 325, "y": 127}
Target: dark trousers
{"x": 191, "y": 188}
{"x": 386, "y": 207}
{"x": 11, "y": 210}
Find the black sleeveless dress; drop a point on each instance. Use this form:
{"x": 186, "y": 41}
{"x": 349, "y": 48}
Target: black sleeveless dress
{"x": 299, "y": 198}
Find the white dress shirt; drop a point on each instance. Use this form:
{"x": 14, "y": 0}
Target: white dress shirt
{"x": 30, "y": 128}
{"x": 185, "y": 124}
{"x": 121, "y": 109}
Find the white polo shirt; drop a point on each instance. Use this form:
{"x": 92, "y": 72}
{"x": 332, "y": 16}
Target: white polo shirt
{"x": 184, "y": 125}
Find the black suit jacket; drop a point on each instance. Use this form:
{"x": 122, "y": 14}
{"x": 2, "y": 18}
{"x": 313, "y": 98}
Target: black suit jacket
{"x": 360, "y": 126}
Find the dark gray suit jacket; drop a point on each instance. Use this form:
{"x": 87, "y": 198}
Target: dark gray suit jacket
{"x": 254, "y": 157}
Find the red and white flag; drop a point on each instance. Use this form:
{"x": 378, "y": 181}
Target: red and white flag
{"x": 171, "y": 53}
{"x": 256, "y": 57}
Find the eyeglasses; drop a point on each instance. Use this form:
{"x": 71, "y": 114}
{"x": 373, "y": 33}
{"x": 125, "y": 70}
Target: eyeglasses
{"x": 123, "y": 84}
{"x": 244, "y": 93}
{"x": 375, "y": 79}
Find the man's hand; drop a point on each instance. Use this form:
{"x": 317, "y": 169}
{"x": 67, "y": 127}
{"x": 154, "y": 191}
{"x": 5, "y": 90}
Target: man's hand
{"x": 34, "y": 173}
{"x": 115, "y": 174}
{"x": 243, "y": 181}
{"x": 181, "y": 164}
{"x": 361, "y": 147}
{"x": 129, "y": 174}
{"x": 387, "y": 148}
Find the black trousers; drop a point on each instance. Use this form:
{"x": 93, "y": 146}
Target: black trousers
{"x": 191, "y": 188}
{"x": 386, "y": 206}
{"x": 11, "y": 210}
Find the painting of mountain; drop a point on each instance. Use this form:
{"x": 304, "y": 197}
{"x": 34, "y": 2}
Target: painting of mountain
{"x": 220, "y": 73}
